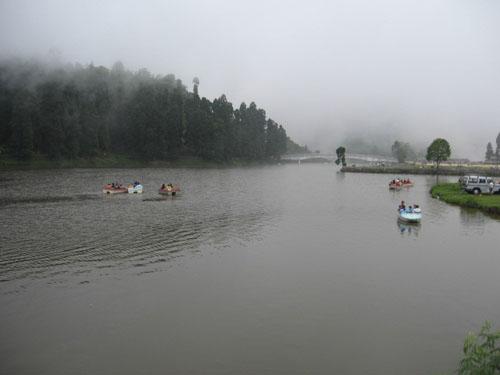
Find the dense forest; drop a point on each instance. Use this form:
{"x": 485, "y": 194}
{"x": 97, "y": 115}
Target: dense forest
{"x": 76, "y": 111}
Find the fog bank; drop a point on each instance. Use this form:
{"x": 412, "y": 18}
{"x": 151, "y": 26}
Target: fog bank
{"x": 410, "y": 69}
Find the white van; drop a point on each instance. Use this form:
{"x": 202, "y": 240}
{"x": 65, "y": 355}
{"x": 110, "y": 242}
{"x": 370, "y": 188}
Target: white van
{"x": 479, "y": 184}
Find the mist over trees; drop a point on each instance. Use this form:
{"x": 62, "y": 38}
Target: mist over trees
{"x": 402, "y": 151}
{"x": 76, "y": 111}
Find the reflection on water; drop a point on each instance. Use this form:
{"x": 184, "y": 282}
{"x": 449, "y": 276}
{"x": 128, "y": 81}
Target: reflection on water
{"x": 472, "y": 217}
{"x": 408, "y": 229}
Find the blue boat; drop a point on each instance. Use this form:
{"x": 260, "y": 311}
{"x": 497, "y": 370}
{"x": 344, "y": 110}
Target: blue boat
{"x": 410, "y": 217}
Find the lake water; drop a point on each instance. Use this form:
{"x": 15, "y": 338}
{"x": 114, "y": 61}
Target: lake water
{"x": 272, "y": 270}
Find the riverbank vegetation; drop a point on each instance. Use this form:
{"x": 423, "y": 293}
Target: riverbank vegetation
{"x": 454, "y": 194}
{"x": 425, "y": 169}
{"x": 73, "y": 113}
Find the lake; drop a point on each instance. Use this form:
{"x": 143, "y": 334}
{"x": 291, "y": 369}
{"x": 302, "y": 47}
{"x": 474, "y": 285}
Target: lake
{"x": 292, "y": 269}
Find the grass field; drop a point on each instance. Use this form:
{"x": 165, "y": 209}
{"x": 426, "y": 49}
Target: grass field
{"x": 452, "y": 193}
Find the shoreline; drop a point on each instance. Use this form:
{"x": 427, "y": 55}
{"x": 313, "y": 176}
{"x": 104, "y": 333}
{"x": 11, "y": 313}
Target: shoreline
{"x": 123, "y": 162}
{"x": 452, "y": 193}
{"x": 425, "y": 170}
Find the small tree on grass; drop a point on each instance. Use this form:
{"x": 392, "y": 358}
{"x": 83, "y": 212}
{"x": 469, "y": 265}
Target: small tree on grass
{"x": 340, "y": 156}
{"x": 438, "y": 151}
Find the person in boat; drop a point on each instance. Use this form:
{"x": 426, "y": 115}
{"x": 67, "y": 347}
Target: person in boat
{"x": 409, "y": 209}
{"x": 162, "y": 186}
{"x": 416, "y": 209}
{"x": 402, "y": 206}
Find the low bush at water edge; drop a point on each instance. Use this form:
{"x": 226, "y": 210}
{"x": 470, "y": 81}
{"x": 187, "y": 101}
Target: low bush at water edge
{"x": 481, "y": 353}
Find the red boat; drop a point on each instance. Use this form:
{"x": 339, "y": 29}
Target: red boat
{"x": 395, "y": 186}
{"x": 169, "y": 189}
{"x": 398, "y": 184}
{"x": 114, "y": 189}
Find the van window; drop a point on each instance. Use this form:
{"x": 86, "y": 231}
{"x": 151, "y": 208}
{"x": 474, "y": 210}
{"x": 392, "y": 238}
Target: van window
{"x": 482, "y": 180}
{"x": 472, "y": 180}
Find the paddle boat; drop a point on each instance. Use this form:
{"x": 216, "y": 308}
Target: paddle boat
{"x": 407, "y": 183}
{"x": 395, "y": 186}
{"x": 410, "y": 216}
{"x": 114, "y": 188}
{"x": 135, "y": 188}
{"x": 169, "y": 189}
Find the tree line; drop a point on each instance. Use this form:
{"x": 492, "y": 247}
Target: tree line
{"x": 76, "y": 111}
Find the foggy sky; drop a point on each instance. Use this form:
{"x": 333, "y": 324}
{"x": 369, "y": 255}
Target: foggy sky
{"x": 420, "y": 68}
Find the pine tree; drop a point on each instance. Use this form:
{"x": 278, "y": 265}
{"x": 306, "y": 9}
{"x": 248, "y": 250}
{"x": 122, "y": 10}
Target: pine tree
{"x": 489, "y": 152}
{"x": 497, "y": 153}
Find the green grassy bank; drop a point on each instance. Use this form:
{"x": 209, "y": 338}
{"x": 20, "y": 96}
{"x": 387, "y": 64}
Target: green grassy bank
{"x": 408, "y": 169}
{"x": 120, "y": 161}
{"x": 452, "y": 193}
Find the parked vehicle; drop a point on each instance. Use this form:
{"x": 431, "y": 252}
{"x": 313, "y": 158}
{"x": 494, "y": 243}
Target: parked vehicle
{"x": 463, "y": 180}
{"x": 480, "y": 185}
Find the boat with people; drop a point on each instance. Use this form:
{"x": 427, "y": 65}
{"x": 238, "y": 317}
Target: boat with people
{"x": 397, "y": 183}
{"x": 407, "y": 182}
{"x": 169, "y": 189}
{"x": 114, "y": 188}
{"x": 135, "y": 188}
{"x": 393, "y": 185}
{"x": 409, "y": 214}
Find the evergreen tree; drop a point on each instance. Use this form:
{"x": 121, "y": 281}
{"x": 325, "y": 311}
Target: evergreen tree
{"x": 489, "y": 152}
{"x": 22, "y": 123}
{"x": 89, "y": 111}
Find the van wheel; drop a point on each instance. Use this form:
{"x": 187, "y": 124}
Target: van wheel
{"x": 476, "y": 191}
